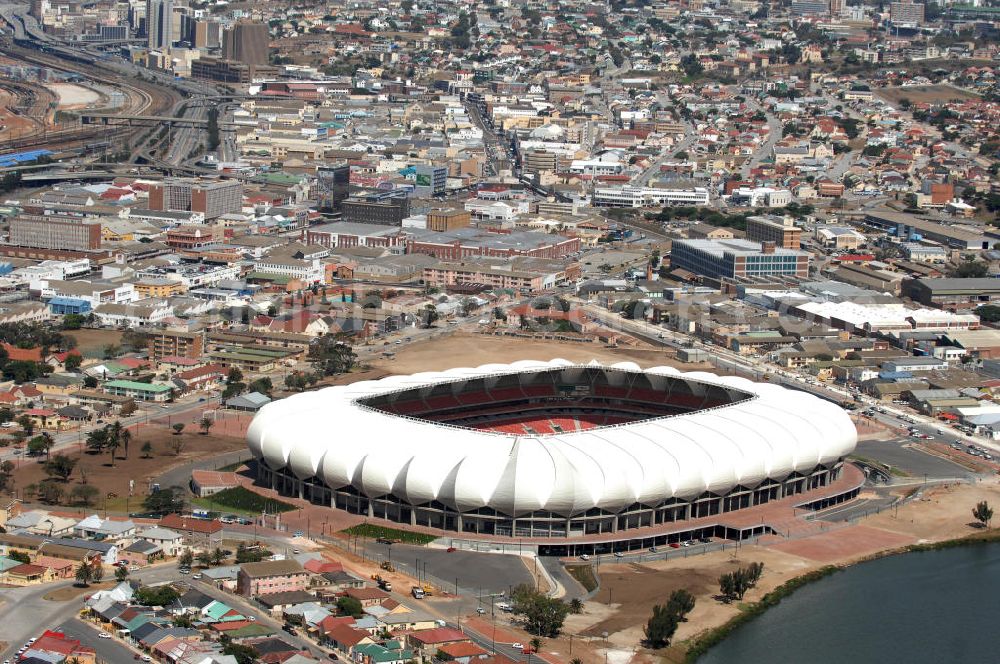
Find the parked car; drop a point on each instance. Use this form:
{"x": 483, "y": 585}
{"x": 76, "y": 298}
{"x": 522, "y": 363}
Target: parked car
{"x": 517, "y": 645}
{"x": 585, "y": 557}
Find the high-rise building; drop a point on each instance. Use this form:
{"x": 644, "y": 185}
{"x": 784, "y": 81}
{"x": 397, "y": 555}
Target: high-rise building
{"x": 214, "y": 199}
{"x": 160, "y": 23}
{"x": 837, "y": 7}
{"x": 247, "y": 43}
{"x": 375, "y": 210}
{"x": 906, "y": 13}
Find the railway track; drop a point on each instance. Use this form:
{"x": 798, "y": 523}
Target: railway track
{"x": 142, "y": 99}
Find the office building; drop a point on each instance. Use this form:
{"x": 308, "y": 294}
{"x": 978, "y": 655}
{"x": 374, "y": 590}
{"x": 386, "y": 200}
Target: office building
{"x": 50, "y": 232}
{"x": 782, "y": 231}
{"x": 738, "y": 259}
{"x": 159, "y": 23}
{"x": 809, "y": 8}
{"x": 634, "y": 197}
{"x": 213, "y": 199}
{"x": 430, "y": 180}
{"x": 247, "y": 43}
{"x": 375, "y": 210}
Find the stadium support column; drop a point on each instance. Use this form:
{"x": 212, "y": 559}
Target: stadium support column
{"x": 413, "y": 516}
{"x": 458, "y": 522}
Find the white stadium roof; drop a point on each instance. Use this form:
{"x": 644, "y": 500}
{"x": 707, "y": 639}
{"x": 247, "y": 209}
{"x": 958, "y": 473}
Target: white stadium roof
{"x": 327, "y": 434}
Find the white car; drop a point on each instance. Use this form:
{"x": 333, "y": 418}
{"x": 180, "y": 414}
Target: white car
{"x": 104, "y": 635}
{"x": 196, "y": 576}
{"x": 585, "y": 557}
{"x": 516, "y": 645}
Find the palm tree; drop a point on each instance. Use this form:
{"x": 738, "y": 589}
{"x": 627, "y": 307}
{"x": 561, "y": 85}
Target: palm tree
{"x": 114, "y": 440}
{"x": 84, "y": 573}
{"x": 126, "y": 438}
{"x": 47, "y": 441}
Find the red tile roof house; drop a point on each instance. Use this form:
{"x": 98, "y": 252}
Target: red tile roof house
{"x": 344, "y": 638}
{"x": 462, "y": 652}
{"x": 207, "y": 482}
{"x": 56, "y": 643}
{"x": 271, "y": 576}
{"x": 198, "y": 528}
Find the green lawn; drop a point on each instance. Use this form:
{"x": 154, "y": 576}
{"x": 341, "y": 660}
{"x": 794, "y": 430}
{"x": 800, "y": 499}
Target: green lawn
{"x": 375, "y": 532}
{"x": 240, "y": 500}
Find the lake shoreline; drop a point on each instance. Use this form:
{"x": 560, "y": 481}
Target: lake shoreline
{"x": 700, "y": 645}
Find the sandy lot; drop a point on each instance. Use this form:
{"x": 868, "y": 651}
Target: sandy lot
{"x": 924, "y": 93}
{"x": 470, "y": 350}
{"x": 74, "y": 96}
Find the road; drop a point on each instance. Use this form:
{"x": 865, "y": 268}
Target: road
{"x": 66, "y": 439}
{"x": 764, "y": 151}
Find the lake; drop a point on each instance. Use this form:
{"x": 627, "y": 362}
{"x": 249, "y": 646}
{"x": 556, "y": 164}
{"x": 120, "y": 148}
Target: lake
{"x": 925, "y": 607}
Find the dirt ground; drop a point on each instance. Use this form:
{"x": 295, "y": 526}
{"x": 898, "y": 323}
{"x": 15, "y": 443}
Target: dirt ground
{"x": 924, "y": 94}
{"x": 470, "y": 350}
{"x": 92, "y": 342}
{"x": 114, "y": 480}
{"x": 74, "y": 591}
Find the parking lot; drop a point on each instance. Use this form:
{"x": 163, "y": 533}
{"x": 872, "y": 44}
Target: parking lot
{"x": 901, "y": 453}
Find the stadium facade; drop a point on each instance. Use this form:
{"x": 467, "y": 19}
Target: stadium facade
{"x": 550, "y": 449}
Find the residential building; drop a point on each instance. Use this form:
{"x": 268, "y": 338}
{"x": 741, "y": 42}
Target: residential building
{"x": 138, "y": 391}
{"x": 175, "y": 343}
{"x": 271, "y": 576}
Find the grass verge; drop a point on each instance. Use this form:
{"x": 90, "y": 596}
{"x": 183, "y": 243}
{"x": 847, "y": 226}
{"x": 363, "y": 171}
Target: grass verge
{"x": 584, "y": 574}
{"x": 241, "y": 499}
{"x": 376, "y": 532}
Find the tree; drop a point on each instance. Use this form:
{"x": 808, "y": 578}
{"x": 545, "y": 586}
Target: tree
{"x": 206, "y": 425}
{"x": 983, "y": 513}
{"x": 660, "y": 627}
{"x": 244, "y": 654}
{"x": 262, "y": 385}
{"x": 178, "y": 428}
{"x": 536, "y": 644}
{"x": 49, "y": 492}
{"x": 218, "y": 556}
{"x": 128, "y": 408}
{"x": 156, "y": 595}
{"x": 177, "y": 444}
{"x": 330, "y": 355}
{"x": 575, "y": 606}
{"x": 428, "y": 315}
{"x": 543, "y": 615}
{"x": 165, "y": 501}
{"x": 27, "y": 424}
{"x": 125, "y": 436}
{"x": 681, "y": 603}
{"x": 147, "y": 450}
{"x": 60, "y": 466}
{"x": 970, "y": 269}
{"x": 89, "y": 382}
{"x": 348, "y": 606}
{"x": 84, "y": 573}
{"x": 185, "y": 559}
{"x": 97, "y": 440}
{"x": 988, "y": 313}
{"x": 204, "y": 559}
{"x": 73, "y": 362}
{"x": 98, "y": 572}
{"x": 84, "y": 494}
{"x": 38, "y": 446}
{"x": 19, "y": 556}
{"x": 73, "y": 321}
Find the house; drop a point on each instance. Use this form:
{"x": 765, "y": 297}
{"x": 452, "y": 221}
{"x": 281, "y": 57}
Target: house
{"x": 200, "y": 528}
{"x": 250, "y": 402}
{"x": 98, "y": 528}
{"x": 170, "y": 542}
{"x": 43, "y": 418}
{"x": 54, "y": 646}
{"x": 345, "y": 638}
{"x": 462, "y": 652}
{"x": 27, "y": 574}
{"x": 277, "y": 603}
{"x": 429, "y": 641}
{"x": 271, "y": 576}
{"x": 59, "y": 568}
{"x": 140, "y": 553}
{"x": 367, "y": 596}
{"x": 207, "y": 482}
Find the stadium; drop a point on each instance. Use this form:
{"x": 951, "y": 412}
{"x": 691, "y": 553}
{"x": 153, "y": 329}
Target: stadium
{"x": 551, "y": 449}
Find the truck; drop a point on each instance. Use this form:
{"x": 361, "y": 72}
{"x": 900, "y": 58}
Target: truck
{"x": 384, "y": 584}
{"x": 417, "y": 592}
